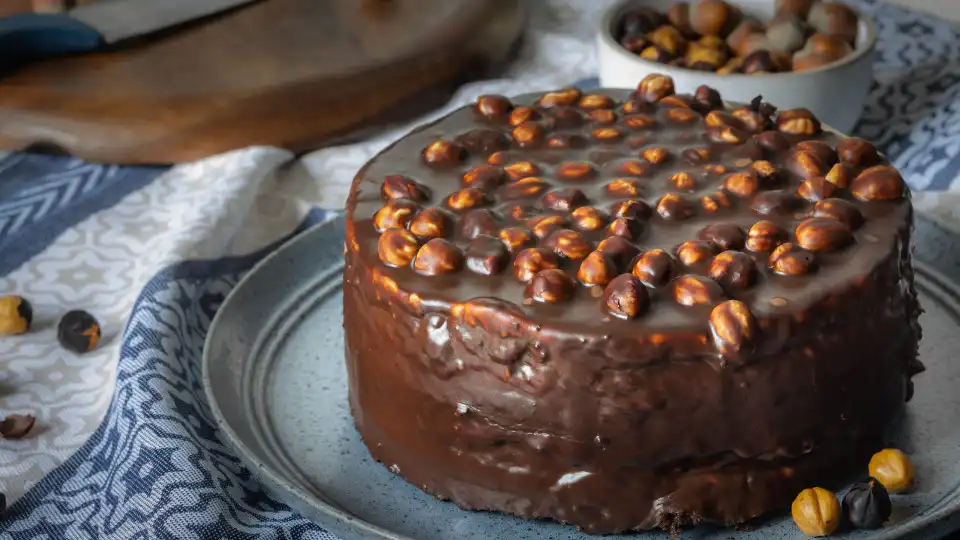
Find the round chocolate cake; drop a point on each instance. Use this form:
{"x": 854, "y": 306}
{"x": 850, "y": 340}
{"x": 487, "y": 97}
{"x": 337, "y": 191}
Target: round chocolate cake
{"x": 627, "y": 310}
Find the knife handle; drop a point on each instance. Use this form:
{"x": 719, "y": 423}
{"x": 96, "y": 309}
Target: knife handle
{"x": 33, "y": 36}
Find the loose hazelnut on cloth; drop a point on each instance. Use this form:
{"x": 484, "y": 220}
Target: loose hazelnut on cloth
{"x": 816, "y": 512}
{"x": 16, "y": 315}
{"x": 893, "y": 469}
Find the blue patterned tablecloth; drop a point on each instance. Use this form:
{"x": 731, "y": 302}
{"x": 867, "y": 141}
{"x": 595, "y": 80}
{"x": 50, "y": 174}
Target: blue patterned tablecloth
{"x": 125, "y": 445}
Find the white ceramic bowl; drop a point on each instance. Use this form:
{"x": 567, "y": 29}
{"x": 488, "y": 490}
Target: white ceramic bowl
{"x": 835, "y": 93}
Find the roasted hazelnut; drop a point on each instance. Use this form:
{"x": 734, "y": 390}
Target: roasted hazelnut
{"x": 878, "y": 183}
{"x": 573, "y": 171}
{"x": 483, "y": 141}
{"x": 835, "y": 19}
{"x": 866, "y": 505}
{"x": 759, "y": 61}
{"x": 893, "y": 469}
{"x": 637, "y": 106}
{"x": 436, "y": 257}
{"x": 528, "y": 134}
{"x": 619, "y": 249}
{"x": 816, "y": 189}
{"x": 751, "y": 120}
{"x": 691, "y": 290}
{"x": 840, "y": 175}
{"x": 522, "y": 115}
{"x": 641, "y": 21}
{"x": 733, "y": 270}
{"x": 568, "y": 244}
{"x": 707, "y": 98}
{"x": 656, "y": 155}
{"x": 742, "y": 184}
{"x": 712, "y": 17}
{"x": 597, "y": 269}
{"x": 654, "y": 267}
{"x": 485, "y": 177}
{"x": 397, "y": 247}
{"x": 714, "y": 170}
{"x": 640, "y": 122}
{"x": 634, "y": 167}
{"x": 683, "y": 181}
{"x": 564, "y": 117}
{"x": 486, "y": 256}
{"x": 789, "y": 260}
{"x": 624, "y": 187}
{"x": 566, "y": 96}
{"x": 733, "y": 328}
{"x": 733, "y": 65}
{"x": 764, "y": 236}
{"x": 831, "y": 47}
{"x": 800, "y": 8}
{"x": 773, "y": 142}
{"x": 476, "y": 222}
{"x": 726, "y": 135}
{"x": 396, "y": 186}
{"x": 798, "y": 122}
{"x": 655, "y": 87}
{"x": 858, "y": 152}
{"x": 737, "y": 39}
{"x": 551, "y": 286}
{"x": 467, "y": 198}
{"x": 804, "y": 61}
{"x": 723, "y": 236}
{"x": 629, "y": 228}
{"x": 524, "y": 188}
{"x": 430, "y": 223}
{"x": 395, "y": 213}
{"x": 443, "y": 153}
{"x": 603, "y": 117}
{"x": 16, "y": 315}
{"x": 632, "y": 208}
{"x": 786, "y": 33}
{"x": 823, "y": 151}
{"x": 674, "y": 206}
{"x": 492, "y": 107}
{"x": 839, "y": 210}
{"x": 532, "y": 260}
{"x": 678, "y": 15}
{"x": 544, "y": 225}
{"x": 521, "y": 169}
{"x": 704, "y": 58}
{"x": 806, "y": 164}
{"x": 693, "y": 252}
{"x": 609, "y": 134}
{"x": 767, "y": 172}
{"x": 682, "y": 116}
{"x": 518, "y": 211}
{"x": 626, "y": 297}
{"x": 596, "y": 101}
{"x": 816, "y": 512}
{"x": 823, "y": 234}
{"x": 669, "y": 39}
{"x": 714, "y": 202}
{"x": 564, "y": 200}
{"x": 775, "y": 203}
{"x": 696, "y": 156}
{"x": 588, "y": 218}
{"x": 515, "y": 238}
{"x": 721, "y": 118}
{"x": 656, "y": 54}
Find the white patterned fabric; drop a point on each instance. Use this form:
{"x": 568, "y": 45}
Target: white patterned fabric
{"x": 125, "y": 442}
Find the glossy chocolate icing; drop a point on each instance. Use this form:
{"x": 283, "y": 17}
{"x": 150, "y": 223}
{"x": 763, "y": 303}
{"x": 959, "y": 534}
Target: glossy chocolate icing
{"x": 465, "y": 387}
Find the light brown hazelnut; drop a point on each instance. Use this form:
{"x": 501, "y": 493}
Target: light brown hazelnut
{"x": 466, "y": 199}
{"x": 629, "y": 228}
{"x": 789, "y": 260}
{"x": 816, "y": 188}
{"x": 524, "y": 188}
{"x": 544, "y": 225}
{"x": 675, "y": 206}
{"x": 626, "y": 297}
{"x": 528, "y": 134}
{"x": 632, "y": 208}
{"x": 764, "y": 236}
{"x": 823, "y": 234}
{"x": 551, "y": 286}
{"x": 656, "y": 54}
{"x": 839, "y": 210}
{"x": 430, "y": 223}
{"x": 723, "y": 236}
{"x": 397, "y": 247}
{"x": 691, "y": 290}
{"x": 575, "y": 171}
{"x": 840, "y": 175}
{"x": 521, "y": 115}
{"x": 712, "y": 17}
{"x": 858, "y": 152}
{"x": 705, "y": 58}
{"x": 568, "y": 243}
{"x": 566, "y": 96}
{"x": 395, "y": 213}
{"x": 485, "y": 177}
{"x": 747, "y": 27}
{"x": 714, "y": 202}
{"x": 742, "y": 184}
{"x": 878, "y": 183}
{"x": 602, "y": 117}
{"x": 786, "y": 33}
{"x": 656, "y": 156}
{"x": 798, "y": 122}
{"x": 800, "y": 8}
{"x": 678, "y": 15}
{"x": 443, "y": 153}
{"x": 734, "y": 329}
{"x": 835, "y": 19}
{"x": 493, "y": 107}
{"x": 624, "y": 187}
{"x": 654, "y": 267}
{"x": 683, "y": 181}
{"x": 436, "y": 257}
{"x": 597, "y": 269}
{"x": 596, "y": 101}
{"x": 776, "y": 203}
{"x": 733, "y": 270}
{"x": 516, "y": 238}
{"x": 532, "y": 260}
{"x": 816, "y": 512}
{"x": 893, "y": 469}
{"x": 476, "y": 222}
{"x": 564, "y": 200}
{"x": 669, "y": 39}
{"x": 397, "y": 186}
{"x": 521, "y": 169}
{"x": 655, "y": 87}
{"x": 694, "y": 252}
{"x": 619, "y": 249}
{"x": 486, "y": 256}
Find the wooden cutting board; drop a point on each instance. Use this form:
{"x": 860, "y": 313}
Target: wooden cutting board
{"x": 297, "y": 74}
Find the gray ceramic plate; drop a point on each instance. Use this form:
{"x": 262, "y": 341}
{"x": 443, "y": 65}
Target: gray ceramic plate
{"x": 274, "y": 374}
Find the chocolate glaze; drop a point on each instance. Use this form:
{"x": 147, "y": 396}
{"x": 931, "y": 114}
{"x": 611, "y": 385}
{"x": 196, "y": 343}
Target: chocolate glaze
{"x": 464, "y": 387}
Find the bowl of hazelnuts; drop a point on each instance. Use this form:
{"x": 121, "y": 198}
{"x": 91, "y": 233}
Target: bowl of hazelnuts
{"x": 813, "y": 54}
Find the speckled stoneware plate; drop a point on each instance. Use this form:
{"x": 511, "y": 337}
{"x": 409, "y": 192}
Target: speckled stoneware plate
{"x": 274, "y": 374}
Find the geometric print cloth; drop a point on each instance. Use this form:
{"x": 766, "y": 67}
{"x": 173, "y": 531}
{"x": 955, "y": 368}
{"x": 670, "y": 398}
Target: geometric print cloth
{"x": 125, "y": 445}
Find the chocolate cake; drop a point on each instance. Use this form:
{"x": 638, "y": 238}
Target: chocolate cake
{"x": 627, "y": 310}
